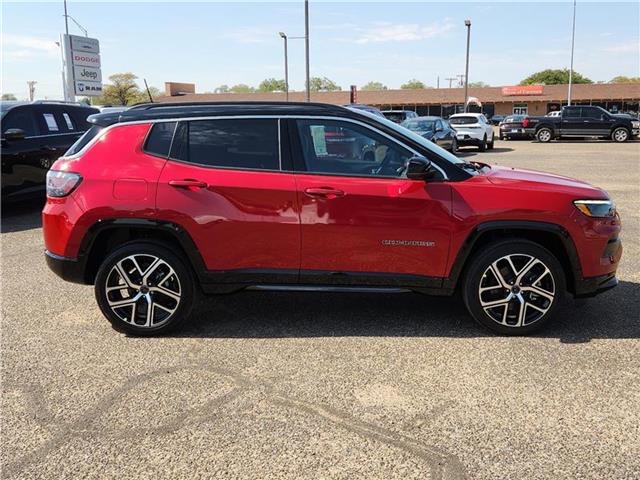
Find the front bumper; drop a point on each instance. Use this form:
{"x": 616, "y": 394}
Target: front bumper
{"x": 69, "y": 269}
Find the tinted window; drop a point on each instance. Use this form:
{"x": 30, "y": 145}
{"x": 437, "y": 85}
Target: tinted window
{"x": 83, "y": 140}
{"x": 159, "y": 139}
{"x": 342, "y": 148}
{"x": 592, "y": 112}
{"x": 463, "y": 120}
{"x": 418, "y": 125}
{"x": 571, "y": 112}
{"x": 22, "y": 119}
{"x": 50, "y": 123}
{"x": 250, "y": 143}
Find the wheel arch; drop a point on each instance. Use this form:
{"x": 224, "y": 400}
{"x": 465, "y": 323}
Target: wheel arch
{"x": 106, "y": 235}
{"x": 549, "y": 235}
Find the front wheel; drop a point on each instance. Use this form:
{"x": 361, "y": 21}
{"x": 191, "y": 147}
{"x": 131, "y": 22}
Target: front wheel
{"x": 513, "y": 287}
{"x": 144, "y": 289}
{"x": 544, "y": 135}
{"x": 620, "y": 135}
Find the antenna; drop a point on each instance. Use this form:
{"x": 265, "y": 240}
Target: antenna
{"x": 32, "y": 89}
{"x": 148, "y": 92}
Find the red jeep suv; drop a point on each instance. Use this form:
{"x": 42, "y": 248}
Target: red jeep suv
{"x": 163, "y": 201}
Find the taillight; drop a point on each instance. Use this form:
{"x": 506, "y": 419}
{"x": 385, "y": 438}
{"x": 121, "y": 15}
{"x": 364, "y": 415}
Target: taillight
{"x": 525, "y": 122}
{"x": 61, "y": 184}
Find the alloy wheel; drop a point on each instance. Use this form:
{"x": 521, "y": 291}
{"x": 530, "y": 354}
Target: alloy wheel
{"x": 620, "y": 135}
{"x": 517, "y": 290}
{"x": 143, "y": 290}
{"x": 544, "y": 135}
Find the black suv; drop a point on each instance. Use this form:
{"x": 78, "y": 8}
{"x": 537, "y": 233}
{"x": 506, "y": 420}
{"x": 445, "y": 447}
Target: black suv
{"x": 34, "y": 135}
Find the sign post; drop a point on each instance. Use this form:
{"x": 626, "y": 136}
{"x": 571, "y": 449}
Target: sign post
{"x": 81, "y": 66}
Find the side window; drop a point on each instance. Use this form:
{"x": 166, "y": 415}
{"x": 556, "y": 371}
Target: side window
{"x": 68, "y": 121}
{"x": 591, "y": 113}
{"x": 242, "y": 143}
{"x": 571, "y": 112}
{"x": 342, "y": 148}
{"x": 159, "y": 139}
{"x": 20, "y": 118}
{"x": 50, "y": 123}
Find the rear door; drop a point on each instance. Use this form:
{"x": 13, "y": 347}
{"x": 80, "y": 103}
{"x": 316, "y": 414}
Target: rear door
{"x": 226, "y": 184}
{"x": 571, "y": 121}
{"x": 362, "y": 221}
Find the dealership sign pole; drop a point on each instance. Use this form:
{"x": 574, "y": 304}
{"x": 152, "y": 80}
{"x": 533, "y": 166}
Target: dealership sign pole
{"x": 81, "y": 62}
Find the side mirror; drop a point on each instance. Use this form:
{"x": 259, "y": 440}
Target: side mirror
{"x": 14, "y": 134}
{"x": 419, "y": 168}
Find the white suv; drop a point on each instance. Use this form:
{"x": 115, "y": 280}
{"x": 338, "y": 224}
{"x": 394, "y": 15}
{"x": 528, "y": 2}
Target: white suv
{"x": 472, "y": 129}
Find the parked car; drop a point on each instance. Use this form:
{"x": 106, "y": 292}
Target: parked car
{"x": 435, "y": 129}
{"x": 34, "y": 135}
{"x": 160, "y": 202}
{"x": 583, "y": 121}
{"x": 496, "y": 119}
{"x": 366, "y": 108}
{"x": 512, "y": 127}
{"x": 399, "y": 116}
{"x": 472, "y": 129}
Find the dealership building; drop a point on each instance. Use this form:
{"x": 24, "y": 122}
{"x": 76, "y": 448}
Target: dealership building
{"x": 529, "y": 100}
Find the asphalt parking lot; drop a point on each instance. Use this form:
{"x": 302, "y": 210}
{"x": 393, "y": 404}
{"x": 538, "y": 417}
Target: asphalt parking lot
{"x": 336, "y": 386}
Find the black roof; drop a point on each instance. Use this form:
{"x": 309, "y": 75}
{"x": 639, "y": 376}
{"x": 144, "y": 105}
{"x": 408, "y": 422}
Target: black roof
{"x": 157, "y": 111}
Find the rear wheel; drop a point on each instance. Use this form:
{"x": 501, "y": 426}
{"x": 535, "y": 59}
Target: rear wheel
{"x": 513, "y": 287}
{"x": 454, "y": 145}
{"x": 483, "y": 145}
{"x": 491, "y": 143}
{"x": 144, "y": 289}
{"x": 620, "y": 135}
{"x": 544, "y": 135}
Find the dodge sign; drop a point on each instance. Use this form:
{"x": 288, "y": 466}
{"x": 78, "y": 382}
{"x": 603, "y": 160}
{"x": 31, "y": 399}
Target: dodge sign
{"x": 81, "y": 66}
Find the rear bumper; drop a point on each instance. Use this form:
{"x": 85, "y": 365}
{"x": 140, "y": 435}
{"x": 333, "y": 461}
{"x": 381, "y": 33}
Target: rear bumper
{"x": 592, "y": 286}
{"x": 69, "y": 269}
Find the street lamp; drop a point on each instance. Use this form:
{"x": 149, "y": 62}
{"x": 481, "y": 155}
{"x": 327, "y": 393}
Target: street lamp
{"x": 286, "y": 66}
{"x": 466, "y": 71}
{"x": 573, "y": 37}
{"x": 306, "y": 46}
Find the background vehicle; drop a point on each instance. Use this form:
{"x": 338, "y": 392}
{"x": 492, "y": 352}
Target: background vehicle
{"x": 555, "y": 113}
{"x": 472, "y": 129}
{"x": 366, "y": 108}
{"x": 435, "y": 129}
{"x": 221, "y": 197}
{"x": 496, "y": 119}
{"x": 399, "y": 116}
{"x": 34, "y": 135}
{"x": 583, "y": 121}
{"x": 512, "y": 127}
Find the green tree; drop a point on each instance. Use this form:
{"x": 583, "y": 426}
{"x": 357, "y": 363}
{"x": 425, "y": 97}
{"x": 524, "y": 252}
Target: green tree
{"x": 554, "y": 77}
{"x": 272, "y": 85}
{"x": 373, "y": 86}
{"x": 241, "y": 88}
{"x": 222, "y": 89}
{"x": 122, "y": 90}
{"x": 323, "y": 84}
{"x": 413, "y": 84}
{"x": 623, "y": 79}
{"x": 8, "y": 96}
{"x": 478, "y": 85}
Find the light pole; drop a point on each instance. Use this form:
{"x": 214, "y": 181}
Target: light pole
{"x": 466, "y": 71}
{"x": 306, "y": 46}
{"x": 573, "y": 37}
{"x": 286, "y": 66}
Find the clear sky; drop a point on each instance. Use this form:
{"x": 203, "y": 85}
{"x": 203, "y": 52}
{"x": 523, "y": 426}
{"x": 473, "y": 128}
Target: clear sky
{"x": 213, "y": 43}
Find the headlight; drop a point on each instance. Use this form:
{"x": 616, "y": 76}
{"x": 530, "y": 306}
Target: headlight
{"x": 61, "y": 184}
{"x": 635, "y": 124}
{"x": 596, "y": 208}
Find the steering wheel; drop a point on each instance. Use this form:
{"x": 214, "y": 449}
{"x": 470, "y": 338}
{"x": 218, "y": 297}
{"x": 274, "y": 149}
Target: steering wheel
{"x": 391, "y": 164}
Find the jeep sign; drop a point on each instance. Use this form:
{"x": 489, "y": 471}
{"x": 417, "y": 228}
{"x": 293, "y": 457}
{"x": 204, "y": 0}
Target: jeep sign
{"x": 82, "y": 73}
{"x": 87, "y": 74}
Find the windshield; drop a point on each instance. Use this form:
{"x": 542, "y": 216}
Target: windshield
{"x": 463, "y": 120}
{"x": 515, "y": 118}
{"x": 423, "y": 142}
{"x": 418, "y": 125}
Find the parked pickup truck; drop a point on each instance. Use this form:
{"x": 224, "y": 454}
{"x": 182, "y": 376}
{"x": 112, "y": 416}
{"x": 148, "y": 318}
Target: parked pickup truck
{"x": 583, "y": 121}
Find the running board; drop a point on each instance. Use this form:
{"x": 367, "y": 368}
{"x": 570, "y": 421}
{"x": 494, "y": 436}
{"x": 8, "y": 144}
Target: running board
{"x": 332, "y": 288}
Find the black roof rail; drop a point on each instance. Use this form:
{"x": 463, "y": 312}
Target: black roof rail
{"x": 154, "y": 105}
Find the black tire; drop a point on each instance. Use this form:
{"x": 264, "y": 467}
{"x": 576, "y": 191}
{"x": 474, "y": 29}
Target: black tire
{"x": 501, "y": 137}
{"x": 174, "y": 279}
{"x": 483, "y": 145}
{"x": 491, "y": 143}
{"x": 503, "y": 316}
{"x": 454, "y": 146}
{"x": 544, "y": 135}
{"x": 620, "y": 135}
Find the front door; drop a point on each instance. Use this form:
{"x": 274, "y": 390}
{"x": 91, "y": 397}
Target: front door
{"x": 362, "y": 221}
{"x": 224, "y": 185}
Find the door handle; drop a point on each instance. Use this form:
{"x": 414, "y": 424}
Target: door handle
{"x": 48, "y": 148}
{"x": 325, "y": 192}
{"x": 188, "y": 183}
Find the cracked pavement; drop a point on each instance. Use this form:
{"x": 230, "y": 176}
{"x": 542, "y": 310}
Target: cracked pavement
{"x": 320, "y": 385}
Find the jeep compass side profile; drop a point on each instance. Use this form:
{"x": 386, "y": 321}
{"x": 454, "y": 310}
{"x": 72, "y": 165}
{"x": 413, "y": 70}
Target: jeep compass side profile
{"x": 163, "y": 201}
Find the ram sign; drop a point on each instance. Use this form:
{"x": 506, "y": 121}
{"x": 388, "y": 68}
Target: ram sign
{"x": 81, "y": 66}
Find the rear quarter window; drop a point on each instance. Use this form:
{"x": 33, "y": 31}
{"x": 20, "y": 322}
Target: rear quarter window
{"x": 83, "y": 140}
{"x": 159, "y": 139}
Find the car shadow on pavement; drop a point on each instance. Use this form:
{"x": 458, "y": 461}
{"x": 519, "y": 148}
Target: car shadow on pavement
{"x": 253, "y": 314}
{"x": 17, "y": 217}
